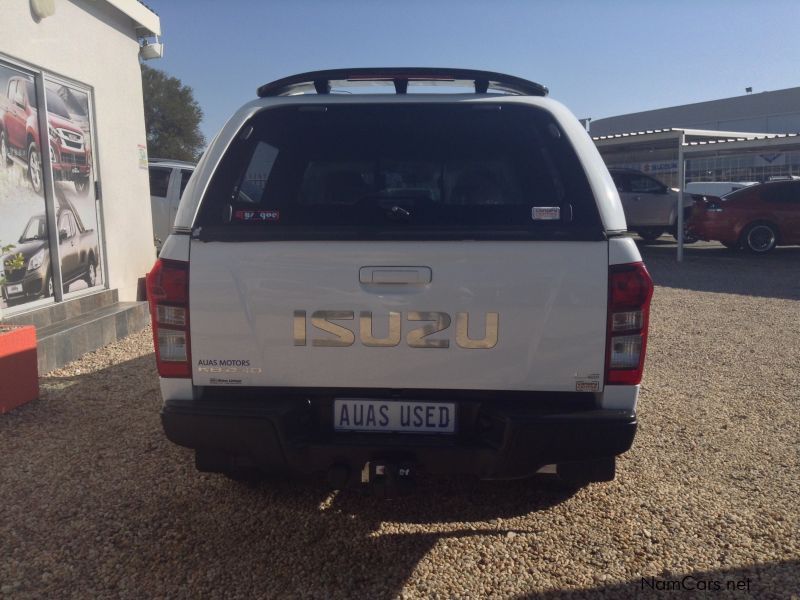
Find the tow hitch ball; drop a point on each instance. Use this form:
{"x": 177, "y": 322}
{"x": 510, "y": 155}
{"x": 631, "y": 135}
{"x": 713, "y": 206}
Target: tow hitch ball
{"x": 388, "y": 479}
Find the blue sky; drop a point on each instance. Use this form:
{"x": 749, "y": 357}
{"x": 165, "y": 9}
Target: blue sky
{"x": 600, "y": 58}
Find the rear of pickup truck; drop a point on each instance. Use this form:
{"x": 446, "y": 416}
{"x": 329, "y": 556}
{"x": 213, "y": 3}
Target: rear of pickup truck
{"x": 375, "y": 287}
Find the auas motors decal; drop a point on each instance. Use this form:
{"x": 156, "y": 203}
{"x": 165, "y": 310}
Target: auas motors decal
{"x": 226, "y": 365}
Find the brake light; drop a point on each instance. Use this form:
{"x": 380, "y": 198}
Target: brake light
{"x": 168, "y": 293}
{"x": 630, "y": 289}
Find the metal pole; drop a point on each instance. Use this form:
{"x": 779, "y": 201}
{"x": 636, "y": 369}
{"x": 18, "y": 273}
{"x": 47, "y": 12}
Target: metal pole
{"x": 682, "y": 182}
{"x": 48, "y": 186}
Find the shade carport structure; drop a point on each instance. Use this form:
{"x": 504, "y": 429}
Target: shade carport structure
{"x": 678, "y": 145}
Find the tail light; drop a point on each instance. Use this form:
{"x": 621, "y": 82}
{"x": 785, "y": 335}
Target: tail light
{"x": 630, "y": 289}
{"x": 168, "y": 293}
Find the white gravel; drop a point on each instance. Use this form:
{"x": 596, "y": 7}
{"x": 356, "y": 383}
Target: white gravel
{"x": 94, "y": 502}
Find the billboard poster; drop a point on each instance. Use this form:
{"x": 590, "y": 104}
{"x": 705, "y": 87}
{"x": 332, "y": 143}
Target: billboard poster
{"x": 69, "y": 127}
{"x": 25, "y": 272}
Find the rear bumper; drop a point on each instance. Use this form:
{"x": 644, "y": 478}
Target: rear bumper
{"x": 495, "y": 439}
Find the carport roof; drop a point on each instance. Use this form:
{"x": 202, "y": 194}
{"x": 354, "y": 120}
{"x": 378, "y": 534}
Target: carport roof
{"x": 769, "y": 141}
{"x": 671, "y": 136}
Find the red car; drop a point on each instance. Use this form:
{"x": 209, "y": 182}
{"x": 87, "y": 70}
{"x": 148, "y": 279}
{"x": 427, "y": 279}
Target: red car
{"x": 19, "y": 136}
{"x": 757, "y": 218}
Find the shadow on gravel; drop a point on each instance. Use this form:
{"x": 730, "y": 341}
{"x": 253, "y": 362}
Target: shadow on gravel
{"x": 346, "y": 544}
{"x": 714, "y": 268}
{"x": 761, "y": 580}
{"x": 123, "y": 513}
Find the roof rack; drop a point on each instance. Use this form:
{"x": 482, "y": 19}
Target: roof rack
{"x": 320, "y": 81}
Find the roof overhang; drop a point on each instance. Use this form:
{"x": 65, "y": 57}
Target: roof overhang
{"x": 147, "y": 22}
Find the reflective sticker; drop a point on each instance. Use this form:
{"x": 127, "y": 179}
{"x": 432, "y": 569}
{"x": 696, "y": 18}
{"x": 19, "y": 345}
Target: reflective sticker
{"x": 257, "y": 215}
{"x": 546, "y": 213}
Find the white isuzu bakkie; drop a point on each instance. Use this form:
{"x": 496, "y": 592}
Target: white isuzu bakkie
{"x": 371, "y": 285}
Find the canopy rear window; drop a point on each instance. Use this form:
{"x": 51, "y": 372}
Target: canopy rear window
{"x": 400, "y": 171}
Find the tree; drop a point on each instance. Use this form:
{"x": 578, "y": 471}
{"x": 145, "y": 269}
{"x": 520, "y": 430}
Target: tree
{"x": 172, "y": 117}
{"x": 12, "y": 262}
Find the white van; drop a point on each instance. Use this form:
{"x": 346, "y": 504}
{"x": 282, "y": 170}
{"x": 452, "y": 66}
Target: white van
{"x": 168, "y": 179}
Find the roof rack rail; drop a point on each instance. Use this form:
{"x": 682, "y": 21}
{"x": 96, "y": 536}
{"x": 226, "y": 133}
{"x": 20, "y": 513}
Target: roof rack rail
{"x": 320, "y": 81}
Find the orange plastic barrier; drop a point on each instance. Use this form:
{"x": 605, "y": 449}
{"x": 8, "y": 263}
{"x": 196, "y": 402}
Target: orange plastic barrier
{"x": 19, "y": 374}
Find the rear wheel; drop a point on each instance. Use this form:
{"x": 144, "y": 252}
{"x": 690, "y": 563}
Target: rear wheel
{"x": 760, "y": 238}
{"x": 688, "y": 236}
{"x": 649, "y": 234}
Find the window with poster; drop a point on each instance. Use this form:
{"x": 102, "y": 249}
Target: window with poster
{"x": 51, "y": 222}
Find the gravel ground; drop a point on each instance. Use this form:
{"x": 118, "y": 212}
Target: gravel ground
{"x": 94, "y": 502}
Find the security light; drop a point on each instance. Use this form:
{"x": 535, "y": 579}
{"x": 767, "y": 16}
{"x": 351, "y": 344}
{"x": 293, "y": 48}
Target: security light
{"x": 149, "y": 50}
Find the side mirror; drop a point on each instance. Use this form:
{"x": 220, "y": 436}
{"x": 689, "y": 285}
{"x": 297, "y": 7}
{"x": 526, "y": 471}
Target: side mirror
{"x": 62, "y": 235}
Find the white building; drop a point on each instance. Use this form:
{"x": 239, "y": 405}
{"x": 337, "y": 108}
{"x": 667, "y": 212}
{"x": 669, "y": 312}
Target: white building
{"x": 776, "y": 112}
{"x": 79, "y": 212}
{"x": 764, "y": 112}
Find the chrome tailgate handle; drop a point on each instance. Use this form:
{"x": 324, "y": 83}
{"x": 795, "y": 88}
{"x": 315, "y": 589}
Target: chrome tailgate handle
{"x": 395, "y": 275}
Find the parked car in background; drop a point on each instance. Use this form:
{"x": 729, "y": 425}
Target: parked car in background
{"x": 650, "y": 206}
{"x": 715, "y": 188}
{"x": 168, "y": 179}
{"x": 69, "y": 146}
{"x": 757, "y": 218}
{"x": 78, "y": 250}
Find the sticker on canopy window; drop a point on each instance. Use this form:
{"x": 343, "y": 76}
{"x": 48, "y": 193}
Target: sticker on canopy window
{"x": 257, "y": 215}
{"x": 546, "y": 213}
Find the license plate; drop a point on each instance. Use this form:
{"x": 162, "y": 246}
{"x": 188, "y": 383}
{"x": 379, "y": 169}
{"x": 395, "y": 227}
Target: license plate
{"x": 14, "y": 289}
{"x": 394, "y": 416}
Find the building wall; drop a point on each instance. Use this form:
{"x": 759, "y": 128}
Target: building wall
{"x": 96, "y": 45}
{"x": 765, "y": 112}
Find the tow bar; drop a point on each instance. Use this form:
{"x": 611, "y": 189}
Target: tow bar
{"x": 389, "y": 479}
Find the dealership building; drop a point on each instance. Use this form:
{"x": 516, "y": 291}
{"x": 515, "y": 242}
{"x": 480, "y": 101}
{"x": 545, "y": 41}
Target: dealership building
{"x": 749, "y": 132}
{"x": 74, "y": 189}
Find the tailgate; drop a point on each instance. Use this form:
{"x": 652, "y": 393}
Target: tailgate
{"x": 510, "y": 315}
